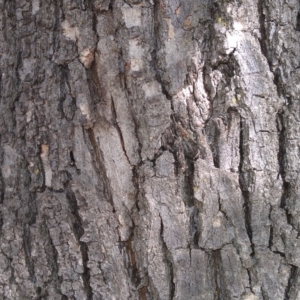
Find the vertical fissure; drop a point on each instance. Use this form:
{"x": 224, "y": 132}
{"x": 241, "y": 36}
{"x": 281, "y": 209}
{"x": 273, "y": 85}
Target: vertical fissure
{"x": 191, "y": 204}
{"x": 27, "y": 250}
{"x": 100, "y": 168}
{"x": 185, "y": 151}
{"x": 168, "y": 259}
{"x": 138, "y": 281}
{"x": 94, "y": 84}
{"x": 250, "y": 279}
{"x": 263, "y": 32}
{"x": 216, "y": 260}
{"x": 142, "y": 279}
{"x": 294, "y": 273}
{"x": 52, "y": 256}
{"x": 271, "y": 237}
{"x": 156, "y": 47}
{"x": 58, "y": 14}
{"x": 244, "y": 183}
{"x": 78, "y": 230}
{"x": 116, "y": 124}
{"x": 2, "y": 183}
{"x": 281, "y": 156}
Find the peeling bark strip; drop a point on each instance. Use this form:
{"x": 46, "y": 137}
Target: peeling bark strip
{"x": 149, "y": 149}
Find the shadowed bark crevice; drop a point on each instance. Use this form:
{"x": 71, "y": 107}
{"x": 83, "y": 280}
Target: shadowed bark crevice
{"x": 220, "y": 286}
{"x": 168, "y": 261}
{"x": 78, "y": 229}
{"x": 94, "y": 85}
{"x": 139, "y": 281}
{"x": 245, "y": 181}
{"x": 157, "y": 46}
{"x": 116, "y": 124}
{"x": 249, "y": 279}
{"x": 294, "y": 274}
{"x": 263, "y": 31}
{"x": 279, "y": 83}
{"x": 63, "y": 89}
{"x": 58, "y": 15}
{"x": 192, "y": 206}
{"x": 195, "y": 228}
{"x": 27, "y": 248}
{"x": 1, "y": 223}
{"x": 100, "y": 167}
{"x": 52, "y": 258}
{"x": 286, "y": 186}
{"x": 271, "y": 234}
{"x": 298, "y": 22}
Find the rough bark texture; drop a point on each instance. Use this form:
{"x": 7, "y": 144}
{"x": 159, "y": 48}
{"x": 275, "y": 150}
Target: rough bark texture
{"x": 149, "y": 149}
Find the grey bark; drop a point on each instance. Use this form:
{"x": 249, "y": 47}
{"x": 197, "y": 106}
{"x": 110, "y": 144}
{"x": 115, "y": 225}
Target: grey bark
{"x": 149, "y": 149}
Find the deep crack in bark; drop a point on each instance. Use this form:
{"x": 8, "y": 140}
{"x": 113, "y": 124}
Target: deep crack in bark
{"x": 281, "y": 162}
{"x": 216, "y": 261}
{"x": 52, "y": 256}
{"x": 100, "y": 168}
{"x": 244, "y": 186}
{"x": 168, "y": 259}
{"x": 27, "y": 250}
{"x": 78, "y": 230}
{"x": 119, "y": 130}
{"x": 294, "y": 273}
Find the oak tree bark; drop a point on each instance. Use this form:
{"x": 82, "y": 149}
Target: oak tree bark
{"x": 149, "y": 149}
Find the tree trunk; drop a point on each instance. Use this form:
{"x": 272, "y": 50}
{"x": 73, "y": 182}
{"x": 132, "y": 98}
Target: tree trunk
{"x": 149, "y": 149}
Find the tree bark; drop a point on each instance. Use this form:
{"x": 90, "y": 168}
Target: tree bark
{"x": 149, "y": 149}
